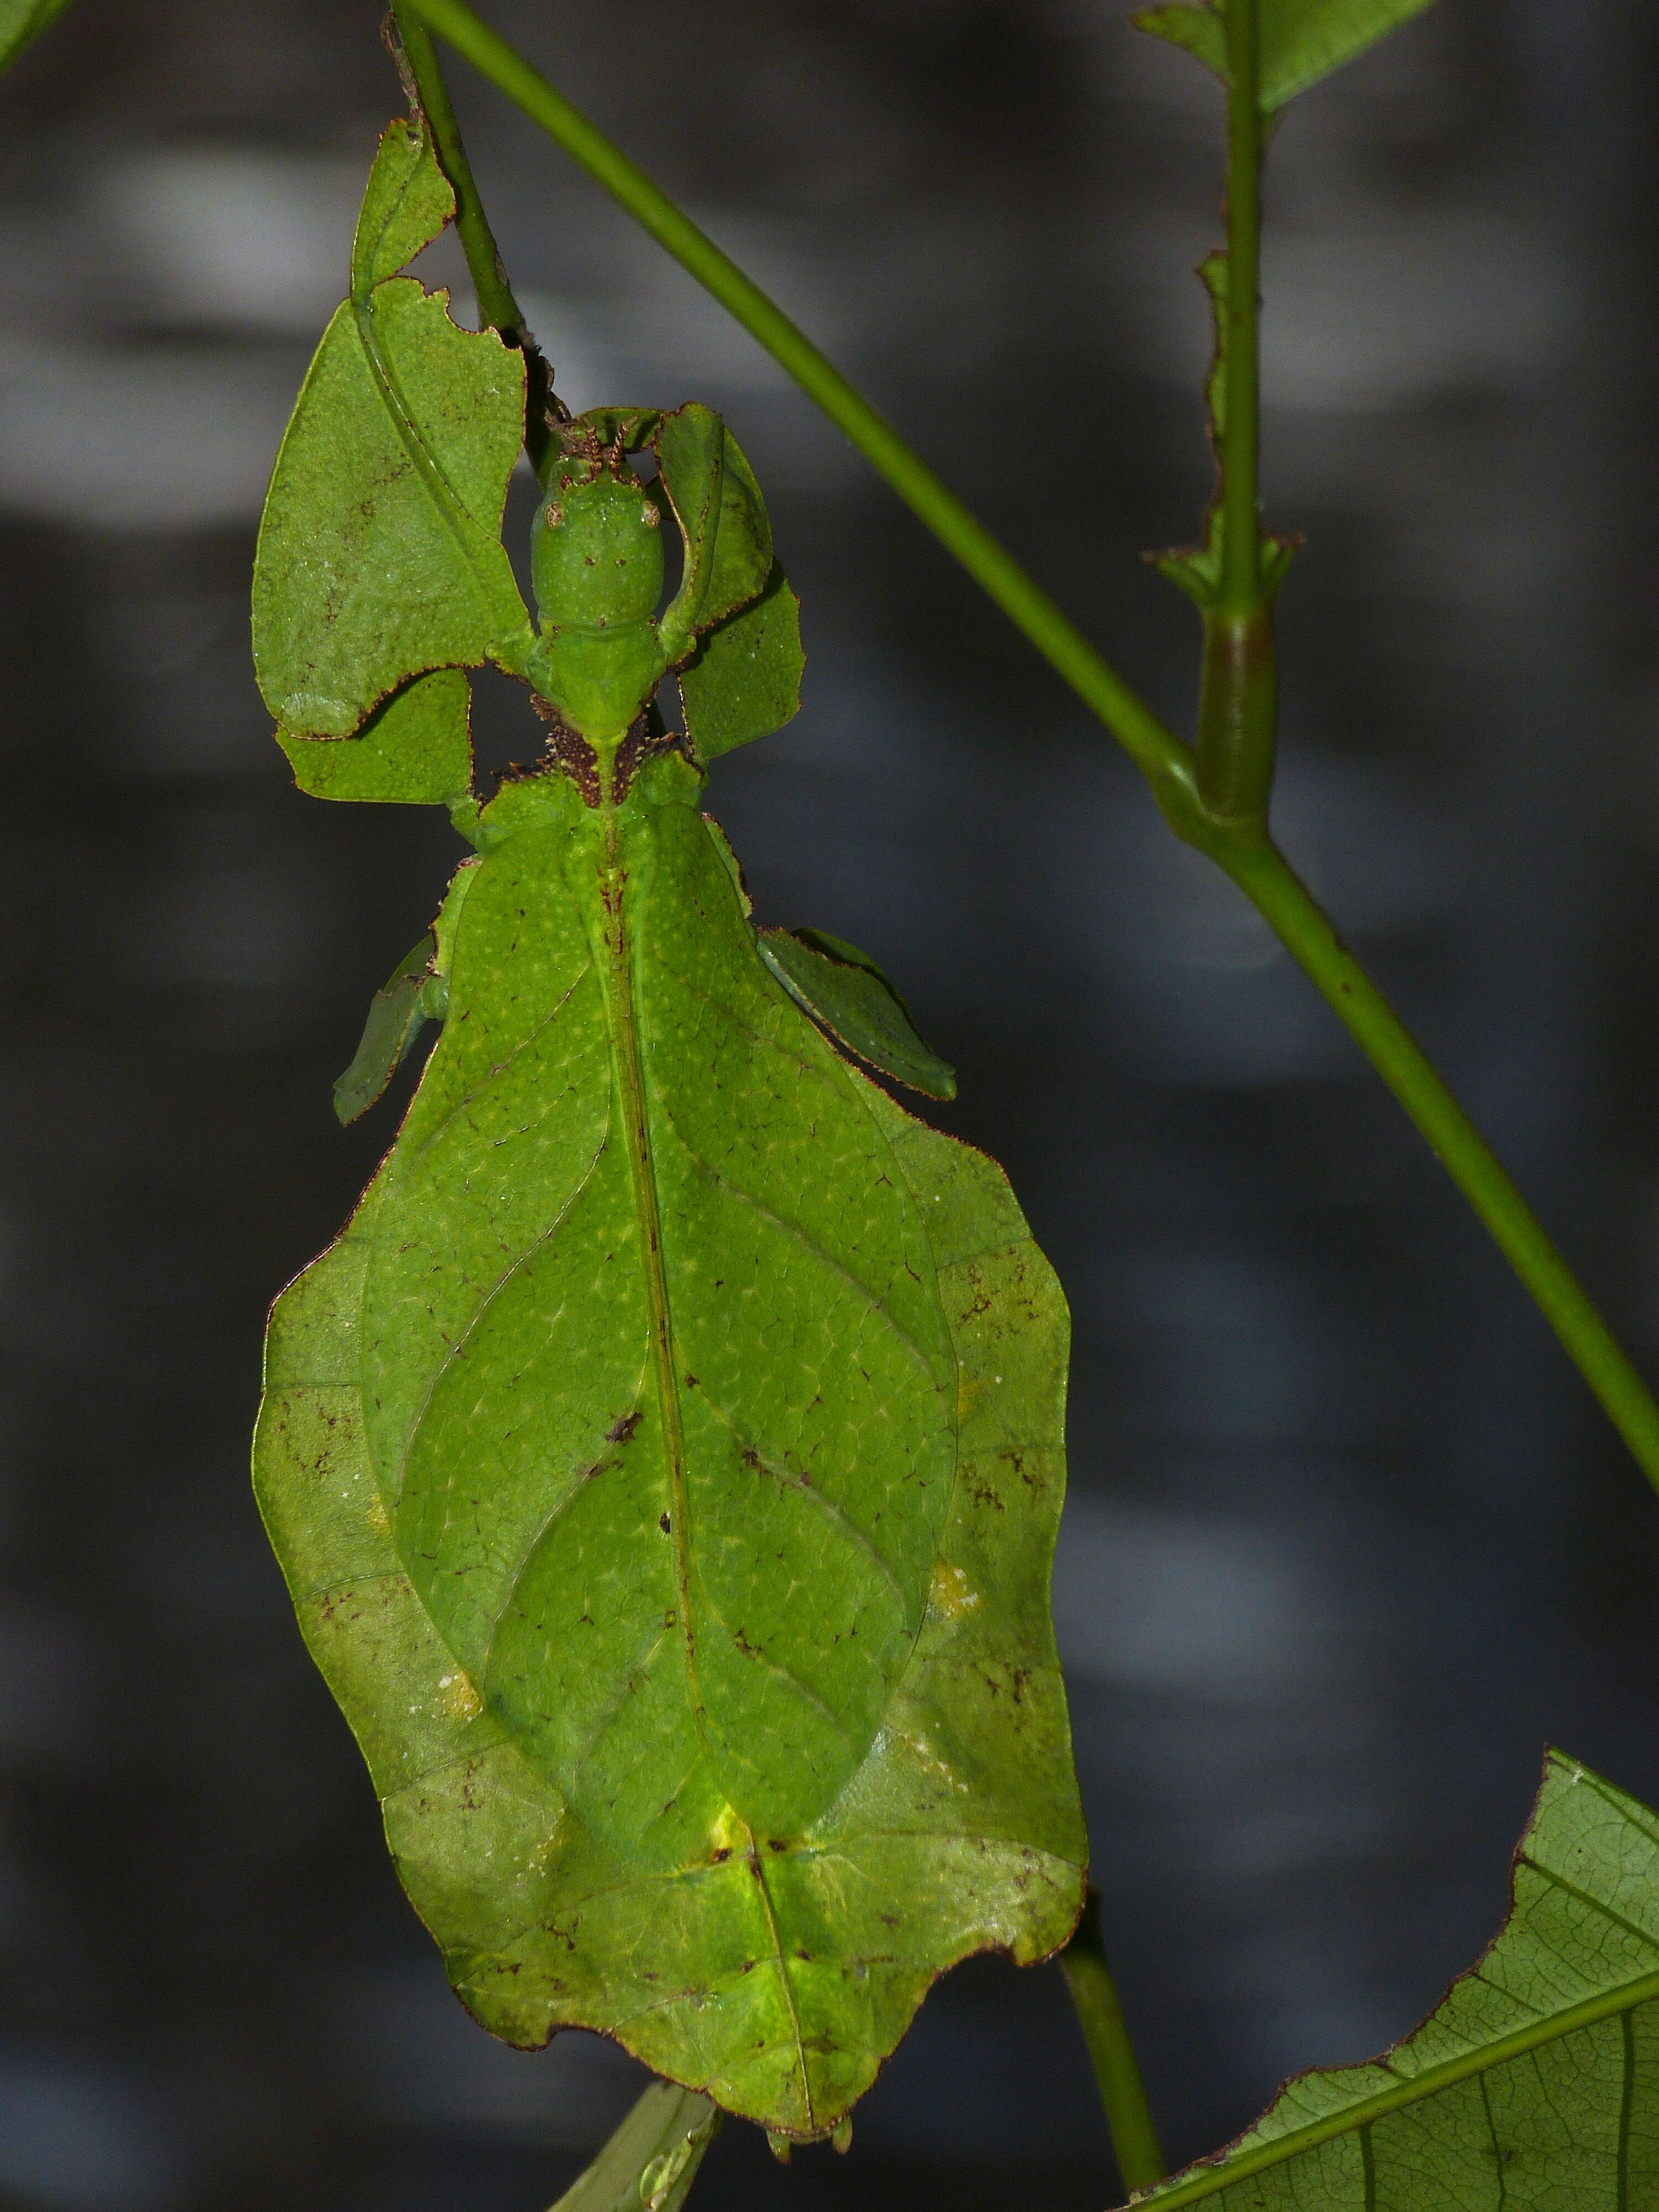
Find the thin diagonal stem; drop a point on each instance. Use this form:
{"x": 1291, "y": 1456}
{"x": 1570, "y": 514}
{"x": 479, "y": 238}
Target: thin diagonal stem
{"x": 1238, "y": 696}
{"x": 1100, "y": 2016}
{"x": 1241, "y": 846}
{"x": 498, "y": 308}
{"x": 23, "y": 30}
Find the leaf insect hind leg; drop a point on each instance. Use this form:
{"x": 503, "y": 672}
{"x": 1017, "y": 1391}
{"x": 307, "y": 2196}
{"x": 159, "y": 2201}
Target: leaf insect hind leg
{"x": 413, "y": 995}
{"x": 417, "y": 993}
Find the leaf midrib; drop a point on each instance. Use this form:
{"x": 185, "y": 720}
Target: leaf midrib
{"x": 457, "y": 516}
{"x": 1589, "y": 2012}
{"x": 624, "y": 1009}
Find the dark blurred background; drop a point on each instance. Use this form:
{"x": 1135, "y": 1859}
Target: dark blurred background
{"x": 1346, "y": 1541}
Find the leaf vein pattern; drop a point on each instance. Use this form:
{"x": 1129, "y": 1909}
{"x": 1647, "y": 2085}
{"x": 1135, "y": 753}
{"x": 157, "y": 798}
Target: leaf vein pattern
{"x": 500, "y": 1066}
{"x": 521, "y": 1261}
{"x": 619, "y": 981}
{"x": 826, "y": 1505}
{"x": 1497, "y": 2147}
{"x": 458, "y": 519}
{"x": 630, "y": 1673}
{"x": 784, "y": 1982}
{"x": 734, "y": 1020}
{"x": 1595, "y": 1905}
{"x": 603, "y": 1465}
{"x": 775, "y": 1667}
{"x": 1627, "y": 2102}
{"x": 1597, "y": 1788}
{"x": 1368, "y": 2165}
{"x": 798, "y": 1236}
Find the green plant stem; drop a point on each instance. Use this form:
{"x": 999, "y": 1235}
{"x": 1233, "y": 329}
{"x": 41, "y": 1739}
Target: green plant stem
{"x": 1238, "y": 691}
{"x": 23, "y": 27}
{"x": 1094, "y": 1994}
{"x": 1243, "y": 846}
{"x": 498, "y": 308}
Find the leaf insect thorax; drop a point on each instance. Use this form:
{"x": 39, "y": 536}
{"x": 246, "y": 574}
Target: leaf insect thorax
{"x": 597, "y": 571}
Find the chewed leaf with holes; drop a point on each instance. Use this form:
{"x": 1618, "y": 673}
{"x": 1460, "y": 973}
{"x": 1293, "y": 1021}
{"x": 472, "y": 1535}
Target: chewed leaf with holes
{"x": 1532, "y": 2088}
{"x": 666, "y": 1463}
{"x": 380, "y": 550}
{"x": 1301, "y": 40}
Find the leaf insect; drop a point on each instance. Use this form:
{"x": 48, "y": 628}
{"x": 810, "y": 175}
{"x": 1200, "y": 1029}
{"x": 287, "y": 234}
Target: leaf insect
{"x": 666, "y": 1458}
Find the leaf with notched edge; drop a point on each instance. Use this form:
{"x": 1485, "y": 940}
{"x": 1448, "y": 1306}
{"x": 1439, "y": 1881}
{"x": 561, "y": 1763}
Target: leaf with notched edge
{"x": 379, "y": 547}
{"x": 1532, "y": 2086}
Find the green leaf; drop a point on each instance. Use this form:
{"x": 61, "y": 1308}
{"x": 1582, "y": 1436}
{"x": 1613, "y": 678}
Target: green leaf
{"x": 652, "y": 2161}
{"x": 845, "y": 993}
{"x": 409, "y": 200}
{"x": 414, "y": 748}
{"x": 1301, "y": 40}
{"x": 1197, "y": 27}
{"x": 380, "y": 550}
{"x": 397, "y": 1013}
{"x": 743, "y": 680}
{"x": 665, "y": 1462}
{"x": 21, "y": 22}
{"x": 1533, "y": 2084}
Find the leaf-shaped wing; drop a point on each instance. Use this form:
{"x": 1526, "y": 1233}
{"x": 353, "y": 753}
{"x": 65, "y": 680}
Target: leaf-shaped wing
{"x": 1535, "y": 2082}
{"x": 415, "y": 747}
{"x": 380, "y": 548}
{"x": 666, "y": 1464}
{"x": 847, "y": 993}
{"x": 1301, "y": 40}
{"x": 652, "y": 2161}
{"x": 743, "y": 680}
{"x": 742, "y": 563}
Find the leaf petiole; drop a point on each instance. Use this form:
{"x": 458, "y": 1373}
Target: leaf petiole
{"x": 1094, "y": 1994}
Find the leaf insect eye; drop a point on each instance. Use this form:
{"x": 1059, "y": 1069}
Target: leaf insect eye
{"x": 553, "y": 514}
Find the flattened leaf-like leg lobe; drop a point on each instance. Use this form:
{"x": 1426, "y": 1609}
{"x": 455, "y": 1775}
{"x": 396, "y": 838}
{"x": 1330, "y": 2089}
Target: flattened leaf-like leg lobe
{"x": 379, "y": 552}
